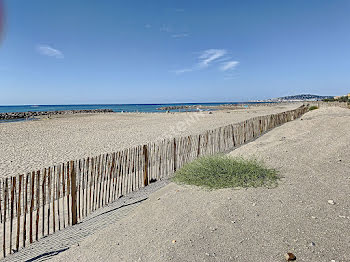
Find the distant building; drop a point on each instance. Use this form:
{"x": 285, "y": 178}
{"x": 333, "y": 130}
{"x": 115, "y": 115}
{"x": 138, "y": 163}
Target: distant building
{"x": 337, "y": 97}
{"x": 349, "y": 95}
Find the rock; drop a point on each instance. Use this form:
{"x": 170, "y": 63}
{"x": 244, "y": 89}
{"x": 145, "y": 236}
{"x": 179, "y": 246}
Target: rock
{"x": 174, "y": 241}
{"x": 210, "y": 113}
{"x": 290, "y": 257}
{"x": 312, "y": 244}
{"x": 26, "y": 115}
{"x": 331, "y": 202}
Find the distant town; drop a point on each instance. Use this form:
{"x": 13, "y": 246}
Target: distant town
{"x": 307, "y": 97}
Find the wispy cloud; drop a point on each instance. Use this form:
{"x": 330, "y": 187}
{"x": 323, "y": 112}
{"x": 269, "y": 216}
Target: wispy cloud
{"x": 229, "y": 65}
{"x": 165, "y": 28}
{"x": 184, "y": 70}
{"x": 49, "y": 51}
{"x": 148, "y": 26}
{"x": 210, "y": 57}
{"x": 180, "y": 35}
{"x": 179, "y": 10}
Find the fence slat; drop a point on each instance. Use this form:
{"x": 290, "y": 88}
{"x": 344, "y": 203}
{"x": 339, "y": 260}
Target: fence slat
{"x": 19, "y": 211}
{"x": 145, "y": 171}
{"x": 31, "y": 208}
{"x": 73, "y": 176}
{"x": 13, "y": 186}
{"x": 4, "y": 223}
{"x": 43, "y": 202}
{"x": 37, "y": 205}
{"x": 25, "y": 211}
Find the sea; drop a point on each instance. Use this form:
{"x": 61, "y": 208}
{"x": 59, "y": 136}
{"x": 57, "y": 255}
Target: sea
{"x": 148, "y": 108}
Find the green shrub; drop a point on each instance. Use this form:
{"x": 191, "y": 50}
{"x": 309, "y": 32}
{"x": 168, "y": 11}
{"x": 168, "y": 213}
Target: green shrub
{"x": 313, "y": 108}
{"x": 221, "y": 171}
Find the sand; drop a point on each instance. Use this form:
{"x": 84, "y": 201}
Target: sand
{"x": 183, "y": 223}
{"x": 28, "y": 146}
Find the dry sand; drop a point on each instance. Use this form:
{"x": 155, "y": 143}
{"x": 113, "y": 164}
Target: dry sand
{"x": 182, "y": 223}
{"x": 28, "y": 146}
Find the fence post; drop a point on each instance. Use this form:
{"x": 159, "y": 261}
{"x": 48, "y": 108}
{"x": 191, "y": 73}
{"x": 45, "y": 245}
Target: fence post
{"x": 174, "y": 155}
{"x": 4, "y": 223}
{"x": 199, "y": 146}
{"x": 145, "y": 171}
{"x": 73, "y": 176}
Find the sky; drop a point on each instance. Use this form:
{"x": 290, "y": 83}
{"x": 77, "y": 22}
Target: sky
{"x": 113, "y": 51}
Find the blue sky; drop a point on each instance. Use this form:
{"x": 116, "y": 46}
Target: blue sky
{"x": 82, "y": 51}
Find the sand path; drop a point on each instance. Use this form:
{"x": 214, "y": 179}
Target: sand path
{"x": 313, "y": 156}
{"x": 28, "y": 146}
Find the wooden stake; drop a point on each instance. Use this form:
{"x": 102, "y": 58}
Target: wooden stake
{"x": 4, "y": 223}
{"x": 43, "y": 202}
{"x": 31, "y": 208}
{"x": 37, "y": 205}
{"x": 19, "y": 211}
{"x": 25, "y": 212}
{"x": 74, "y": 193}
{"x": 145, "y": 172}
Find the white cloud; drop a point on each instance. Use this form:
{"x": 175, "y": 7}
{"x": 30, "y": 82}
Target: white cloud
{"x": 180, "y": 35}
{"x": 209, "y": 56}
{"x": 181, "y": 71}
{"x": 49, "y": 51}
{"x": 165, "y": 28}
{"x": 229, "y": 65}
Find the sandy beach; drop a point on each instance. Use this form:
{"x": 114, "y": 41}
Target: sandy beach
{"x": 31, "y": 145}
{"x": 183, "y": 223}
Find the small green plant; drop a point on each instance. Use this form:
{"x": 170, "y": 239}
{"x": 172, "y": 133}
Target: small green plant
{"x": 221, "y": 171}
{"x": 313, "y": 108}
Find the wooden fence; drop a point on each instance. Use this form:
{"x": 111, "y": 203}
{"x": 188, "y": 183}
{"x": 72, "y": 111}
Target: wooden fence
{"x": 330, "y": 104}
{"x": 37, "y": 204}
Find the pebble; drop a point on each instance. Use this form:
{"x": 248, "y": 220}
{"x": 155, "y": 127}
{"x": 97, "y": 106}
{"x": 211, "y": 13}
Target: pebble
{"x": 312, "y": 244}
{"x": 331, "y": 202}
{"x": 290, "y": 257}
{"x": 174, "y": 241}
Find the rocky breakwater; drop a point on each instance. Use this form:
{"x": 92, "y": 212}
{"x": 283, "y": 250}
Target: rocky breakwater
{"x": 23, "y": 115}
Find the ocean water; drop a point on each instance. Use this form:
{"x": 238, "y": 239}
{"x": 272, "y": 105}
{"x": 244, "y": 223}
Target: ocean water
{"x": 116, "y": 108}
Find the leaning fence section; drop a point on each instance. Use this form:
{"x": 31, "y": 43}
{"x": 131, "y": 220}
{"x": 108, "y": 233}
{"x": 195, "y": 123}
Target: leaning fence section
{"x": 39, "y": 203}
